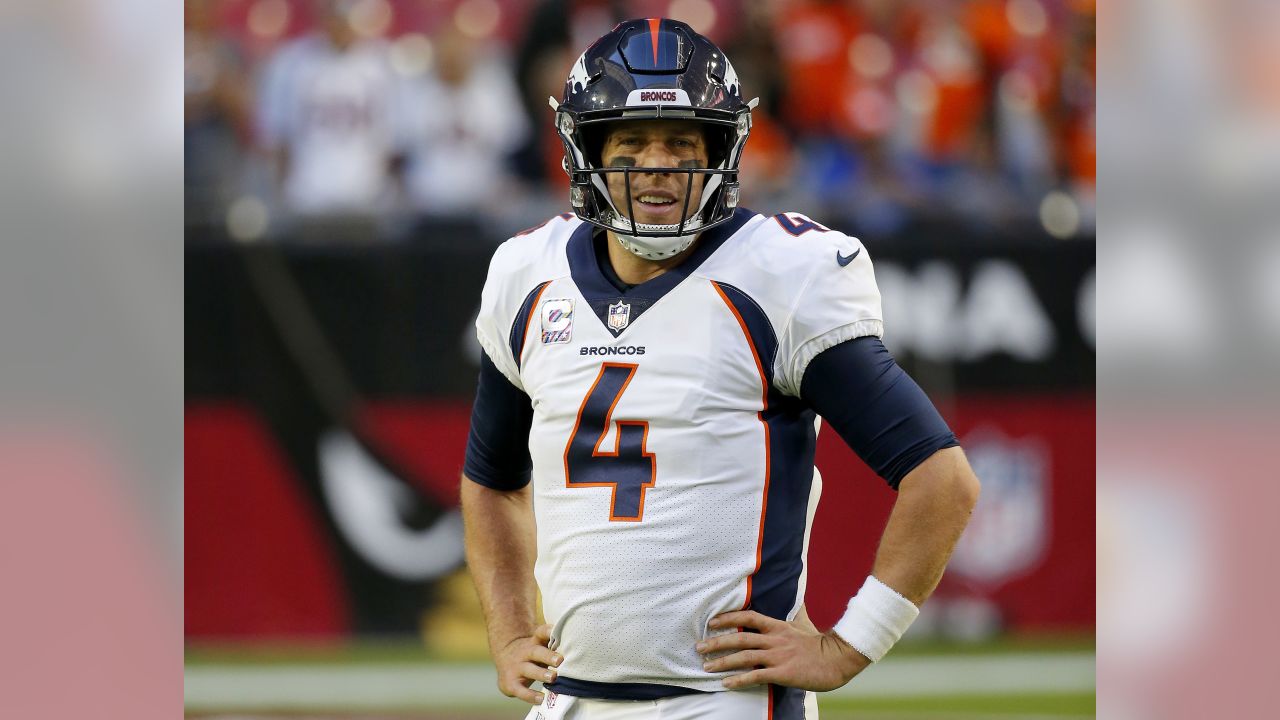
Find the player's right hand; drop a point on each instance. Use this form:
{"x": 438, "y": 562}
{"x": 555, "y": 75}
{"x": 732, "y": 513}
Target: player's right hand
{"x": 524, "y": 661}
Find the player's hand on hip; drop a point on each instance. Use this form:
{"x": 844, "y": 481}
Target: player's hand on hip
{"x": 780, "y": 653}
{"x": 524, "y": 661}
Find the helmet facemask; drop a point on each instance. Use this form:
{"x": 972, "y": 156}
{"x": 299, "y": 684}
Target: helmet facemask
{"x": 593, "y": 201}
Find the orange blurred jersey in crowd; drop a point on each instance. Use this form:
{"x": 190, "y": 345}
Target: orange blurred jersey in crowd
{"x": 1082, "y": 150}
{"x": 813, "y": 41}
{"x": 768, "y": 152}
{"x": 957, "y": 117}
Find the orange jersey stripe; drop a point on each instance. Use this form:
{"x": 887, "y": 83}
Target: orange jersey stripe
{"x": 764, "y": 399}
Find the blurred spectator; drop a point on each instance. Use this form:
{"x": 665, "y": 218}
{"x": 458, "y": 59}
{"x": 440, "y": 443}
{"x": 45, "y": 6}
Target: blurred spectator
{"x": 554, "y": 34}
{"x": 216, "y": 106}
{"x": 1078, "y": 152}
{"x": 1022, "y": 55}
{"x": 328, "y": 117}
{"x": 813, "y": 38}
{"x": 965, "y": 145}
{"x": 463, "y": 121}
{"x": 876, "y": 57}
{"x": 945, "y": 89}
{"x": 766, "y": 164}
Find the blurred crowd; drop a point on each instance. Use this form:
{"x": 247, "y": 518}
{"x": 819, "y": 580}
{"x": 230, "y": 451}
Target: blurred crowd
{"x": 315, "y": 118}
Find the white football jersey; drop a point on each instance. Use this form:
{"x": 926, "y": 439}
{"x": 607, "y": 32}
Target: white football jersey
{"x": 673, "y": 474}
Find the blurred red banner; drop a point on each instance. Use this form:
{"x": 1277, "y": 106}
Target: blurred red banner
{"x": 262, "y": 553}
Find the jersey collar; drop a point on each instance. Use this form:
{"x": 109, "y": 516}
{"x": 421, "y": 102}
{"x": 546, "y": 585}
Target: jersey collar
{"x": 584, "y": 267}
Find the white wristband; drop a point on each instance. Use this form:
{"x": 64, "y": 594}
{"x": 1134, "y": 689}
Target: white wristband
{"x": 875, "y": 619}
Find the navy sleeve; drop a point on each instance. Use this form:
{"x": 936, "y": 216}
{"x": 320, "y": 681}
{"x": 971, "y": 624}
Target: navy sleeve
{"x": 877, "y": 408}
{"x": 498, "y": 446}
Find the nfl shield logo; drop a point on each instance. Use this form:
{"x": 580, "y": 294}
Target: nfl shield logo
{"x": 619, "y": 315}
{"x": 1009, "y": 531}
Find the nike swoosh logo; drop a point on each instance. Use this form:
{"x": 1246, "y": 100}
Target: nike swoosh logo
{"x": 843, "y": 260}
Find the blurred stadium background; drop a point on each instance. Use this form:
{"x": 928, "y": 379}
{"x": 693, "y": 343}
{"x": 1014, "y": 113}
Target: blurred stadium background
{"x": 349, "y": 168}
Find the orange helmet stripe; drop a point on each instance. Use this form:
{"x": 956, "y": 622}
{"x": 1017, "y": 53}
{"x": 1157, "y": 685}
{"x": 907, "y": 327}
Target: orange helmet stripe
{"x": 654, "y": 23}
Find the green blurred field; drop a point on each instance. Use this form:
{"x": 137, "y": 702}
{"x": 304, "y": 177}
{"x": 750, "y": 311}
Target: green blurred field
{"x": 1032, "y": 678}
{"x": 1068, "y": 705}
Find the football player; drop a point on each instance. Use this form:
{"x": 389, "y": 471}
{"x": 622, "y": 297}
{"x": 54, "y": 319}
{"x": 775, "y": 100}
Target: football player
{"x": 643, "y": 434}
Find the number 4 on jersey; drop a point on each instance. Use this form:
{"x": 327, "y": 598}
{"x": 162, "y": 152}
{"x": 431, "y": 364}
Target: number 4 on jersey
{"x": 629, "y": 469}
{"x": 798, "y": 224}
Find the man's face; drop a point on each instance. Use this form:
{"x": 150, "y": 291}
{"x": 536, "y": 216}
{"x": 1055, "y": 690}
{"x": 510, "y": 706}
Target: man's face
{"x": 657, "y": 198}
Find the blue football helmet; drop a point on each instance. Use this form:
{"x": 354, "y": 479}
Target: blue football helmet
{"x": 653, "y": 69}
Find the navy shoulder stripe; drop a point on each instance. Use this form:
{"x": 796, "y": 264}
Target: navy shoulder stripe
{"x": 520, "y": 326}
{"x": 757, "y": 324}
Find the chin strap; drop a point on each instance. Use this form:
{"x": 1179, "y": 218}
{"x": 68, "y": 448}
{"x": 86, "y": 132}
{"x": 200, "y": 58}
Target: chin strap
{"x": 647, "y": 248}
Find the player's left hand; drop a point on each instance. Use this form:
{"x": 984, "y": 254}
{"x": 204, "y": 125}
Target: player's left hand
{"x": 793, "y": 654}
